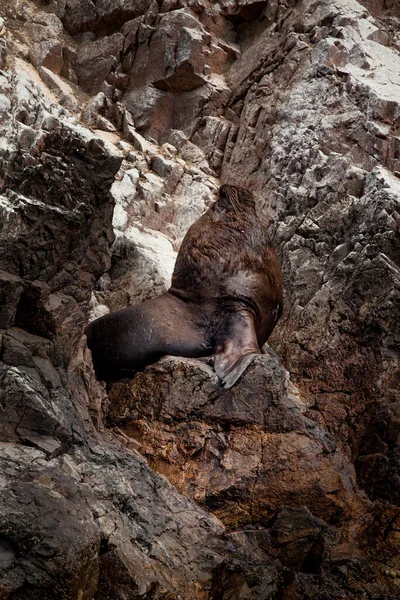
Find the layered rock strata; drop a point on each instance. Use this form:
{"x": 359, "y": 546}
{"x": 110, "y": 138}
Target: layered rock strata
{"x": 118, "y": 122}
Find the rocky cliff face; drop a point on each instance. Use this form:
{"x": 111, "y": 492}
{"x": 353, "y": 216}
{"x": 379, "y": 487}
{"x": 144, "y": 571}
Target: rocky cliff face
{"x": 118, "y": 121}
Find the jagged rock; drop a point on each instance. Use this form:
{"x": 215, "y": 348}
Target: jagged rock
{"x": 152, "y": 110}
{"x": 249, "y": 455}
{"x": 212, "y": 137}
{"x": 319, "y": 180}
{"x": 90, "y": 521}
{"x": 299, "y": 535}
{"x": 49, "y": 543}
{"x": 62, "y": 90}
{"x": 11, "y": 288}
{"x": 57, "y": 279}
{"x": 193, "y": 195}
{"x": 234, "y": 451}
{"x": 245, "y": 10}
{"x": 47, "y": 48}
{"x": 133, "y": 136}
{"x": 173, "y": 59}
{"x": 169, "y": 64}
{"x": 378, "y": 463}
{"x": 169, "y": 170}
{"x": 67, "y": 510}
{"x": 96, "y": 60}
{"x": 298, "y": 103}
{"x": 142, "y": 266}
{"x": 103, "y": 17}
{"x": 3, "y": 52}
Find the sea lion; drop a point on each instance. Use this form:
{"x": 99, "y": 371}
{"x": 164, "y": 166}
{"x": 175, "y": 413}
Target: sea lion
{"x": 225, "y": 299}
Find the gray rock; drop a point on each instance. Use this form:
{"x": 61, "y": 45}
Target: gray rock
{"x": 298, "y": 103}
{"x": 101, "y": 17}
{"x": 47, "y": 50}
{"x": 62, "y": 90}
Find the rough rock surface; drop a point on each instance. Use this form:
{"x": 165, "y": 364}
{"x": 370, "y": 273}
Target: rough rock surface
{"x": 118, "y": 121}
{"x": 237, "y": 451}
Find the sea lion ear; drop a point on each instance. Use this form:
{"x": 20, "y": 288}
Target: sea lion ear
{"x": 227, "y": 197}
{"x": 232, "y": 197}
{"x": 223, "y": 197}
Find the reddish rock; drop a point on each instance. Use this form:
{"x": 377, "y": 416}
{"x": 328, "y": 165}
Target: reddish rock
{"x": 47, "y": 50}
{"x": 243, "y": 452}
{"x": 96, "y": 60}
{"x": 11, "y": 288}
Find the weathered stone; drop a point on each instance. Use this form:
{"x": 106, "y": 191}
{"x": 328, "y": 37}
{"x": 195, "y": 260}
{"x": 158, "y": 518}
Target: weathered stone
{"x": 15, "y": 353}
{"x": 169, "y": 170}
{"x": 103, "y": 17}
{"x": 151, "y": 109}
{"x": 317, "y": 199}
{"x": 3, "y": 53}
{"x": 300, "y": 538}
{"x": 143, "y": 261}
{"x": 174, "y": 59}
{"x": 220, "y": 446}
{"x": 11, "y": 288}
{"x": 245, "y": 10}
{"x": 69, "y": 60}
{"x": 47, "y": 50}
{"x": 28, "y": 405}
{"x": 51, "y": 542}
{"x": 133, "y": 136}
{"x": 62, "y": 90}
{"x": 298, "y": 103}
{"x": 212, "y": 137}
{"x": 93, "y": 112}
{"x": 55, "y": 277}
{"x": 77, "y": 16}
{"x": 96, "y": 60}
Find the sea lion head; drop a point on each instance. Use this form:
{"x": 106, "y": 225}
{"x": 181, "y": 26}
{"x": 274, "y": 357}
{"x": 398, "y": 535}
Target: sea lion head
{"x": 235, "y": 199}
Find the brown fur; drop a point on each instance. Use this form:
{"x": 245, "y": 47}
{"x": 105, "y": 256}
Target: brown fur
{"x": 225, "y": 298}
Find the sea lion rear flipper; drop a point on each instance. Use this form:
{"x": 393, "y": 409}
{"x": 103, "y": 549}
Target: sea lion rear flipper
{"x": 237, "y": 350}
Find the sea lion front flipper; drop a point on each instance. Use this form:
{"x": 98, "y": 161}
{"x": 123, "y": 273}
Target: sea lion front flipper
{"x": 237, "y": 349}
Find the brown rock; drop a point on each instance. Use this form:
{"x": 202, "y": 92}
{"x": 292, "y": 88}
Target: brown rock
{"x": 96, "y": 60}
{"x": 241, "y": 452}
{"x": 47, "y": 49}
{"x": 11, "y": 288}
{"x": 104, "y": 17}
{"x": 307, "y": 118}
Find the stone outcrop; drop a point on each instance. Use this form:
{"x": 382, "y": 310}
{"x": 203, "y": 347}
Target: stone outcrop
{"x": 236, "y": 452}
{"x": 118, "y": 122}
{"x": 324, "y": 154}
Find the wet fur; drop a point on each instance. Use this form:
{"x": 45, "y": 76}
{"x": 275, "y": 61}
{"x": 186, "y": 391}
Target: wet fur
{"x": 225, "y": 299}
